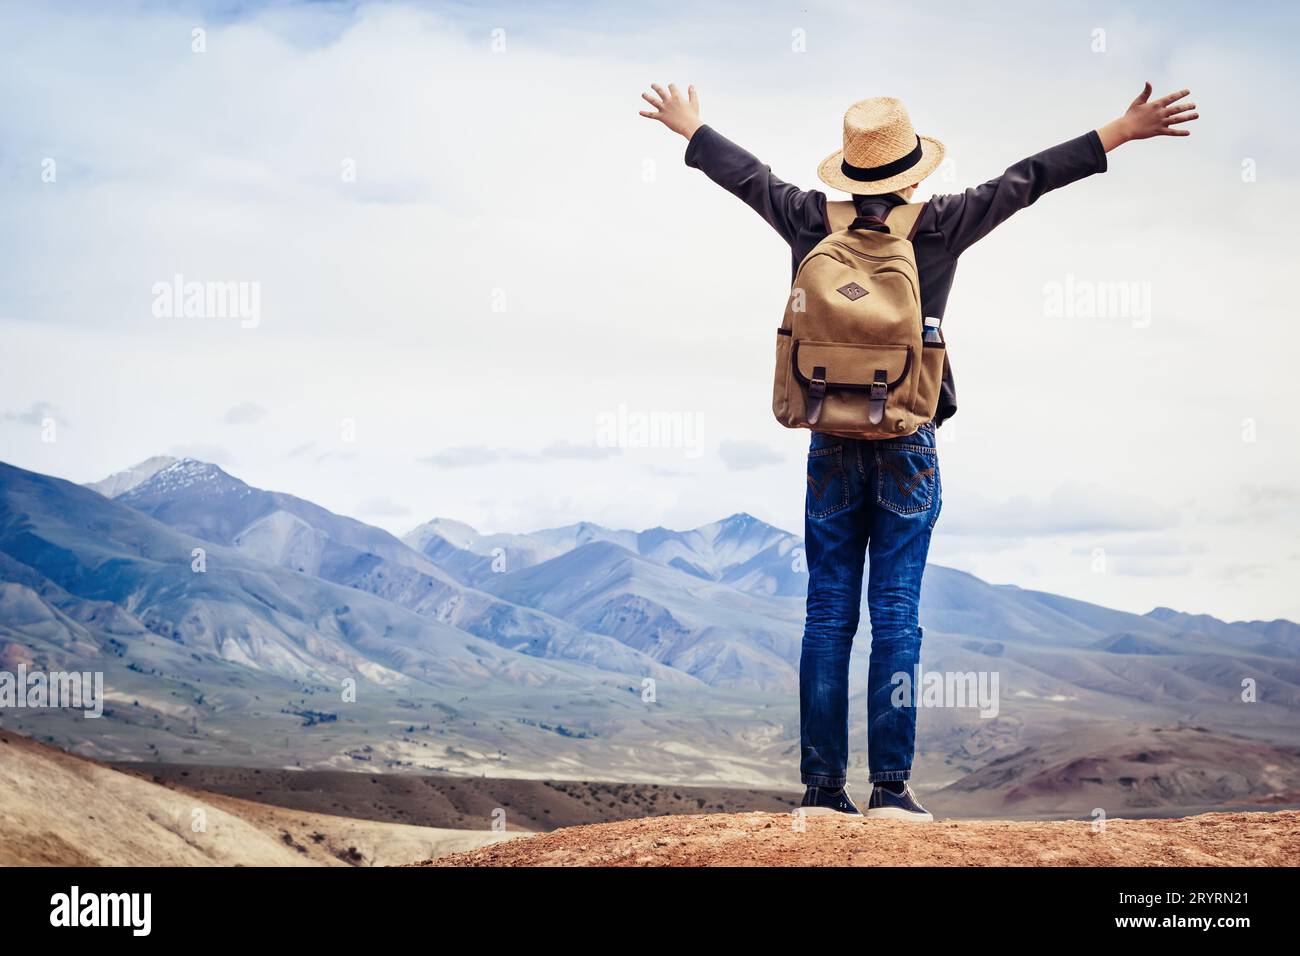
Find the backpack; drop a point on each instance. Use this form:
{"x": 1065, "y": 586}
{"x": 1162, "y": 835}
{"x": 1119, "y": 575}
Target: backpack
{"x": 851, "y": 359}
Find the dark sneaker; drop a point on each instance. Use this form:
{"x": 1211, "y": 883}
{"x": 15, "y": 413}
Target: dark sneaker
{"x": 887, "y": 805}
{"x": 818, "y": 801}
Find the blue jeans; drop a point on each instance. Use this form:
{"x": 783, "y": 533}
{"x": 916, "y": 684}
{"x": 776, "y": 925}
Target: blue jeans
{"x": 876, "y": 498}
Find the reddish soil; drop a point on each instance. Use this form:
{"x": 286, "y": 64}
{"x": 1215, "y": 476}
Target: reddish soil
{"x": 772, "y": 839}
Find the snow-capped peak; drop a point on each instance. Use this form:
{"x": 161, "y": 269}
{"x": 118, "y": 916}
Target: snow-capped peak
{"x": 120, "y": 482}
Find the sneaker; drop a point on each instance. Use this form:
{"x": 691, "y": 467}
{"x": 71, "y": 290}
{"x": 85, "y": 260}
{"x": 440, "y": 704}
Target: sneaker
{"x": 819, "y": 801}
{"x": 887, "y": 805}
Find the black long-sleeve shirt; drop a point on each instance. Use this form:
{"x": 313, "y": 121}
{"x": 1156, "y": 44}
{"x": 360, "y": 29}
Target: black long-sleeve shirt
{"x": 949, "y": 226}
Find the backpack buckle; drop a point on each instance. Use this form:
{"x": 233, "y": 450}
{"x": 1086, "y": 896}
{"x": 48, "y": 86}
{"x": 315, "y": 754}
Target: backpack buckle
{"x": 876, "y": 397}
{"x": 816, "y": 392}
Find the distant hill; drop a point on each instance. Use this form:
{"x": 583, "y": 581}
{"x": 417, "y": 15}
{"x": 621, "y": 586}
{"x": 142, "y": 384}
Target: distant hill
{"x": 1139, "y": 770}
{"x": 201, "y": 499}
{"x": 740, "y": 550}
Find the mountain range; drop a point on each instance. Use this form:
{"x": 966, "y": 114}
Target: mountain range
{"x": 232, "y": 624}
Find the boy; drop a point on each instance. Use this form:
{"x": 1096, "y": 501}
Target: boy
{"x": 882, "y": 497}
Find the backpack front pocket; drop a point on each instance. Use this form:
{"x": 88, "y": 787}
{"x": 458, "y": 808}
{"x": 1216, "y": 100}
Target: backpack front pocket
{"x": 850, "y": 386}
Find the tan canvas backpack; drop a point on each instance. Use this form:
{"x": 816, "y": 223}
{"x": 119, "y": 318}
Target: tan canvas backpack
{"x": 851, "y": 357}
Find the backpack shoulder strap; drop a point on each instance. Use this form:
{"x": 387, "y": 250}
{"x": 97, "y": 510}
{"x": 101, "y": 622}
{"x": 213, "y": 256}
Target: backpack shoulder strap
{"x": 901, "y": 220}
{"x": 839, "y": 213}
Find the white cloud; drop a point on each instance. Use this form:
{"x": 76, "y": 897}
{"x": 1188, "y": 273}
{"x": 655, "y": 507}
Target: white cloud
{"x": 1069, "y": 509}
{"x": 382, "y": 507}
{"x": 37, "y": 413}
{"x": 747, "y": 455}
{"x": 245, "y": 413}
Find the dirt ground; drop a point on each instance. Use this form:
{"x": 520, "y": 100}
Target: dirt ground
{"x": 771, "y": 839}
{"x": 57, "y": 809}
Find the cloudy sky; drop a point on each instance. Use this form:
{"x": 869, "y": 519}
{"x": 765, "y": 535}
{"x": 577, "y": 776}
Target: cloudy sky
{"x": 470, "y": 269}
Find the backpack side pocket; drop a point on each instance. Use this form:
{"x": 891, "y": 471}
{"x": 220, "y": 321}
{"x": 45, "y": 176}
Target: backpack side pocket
{"x": 930, "y": 381}
{"x": 781, "y": 381}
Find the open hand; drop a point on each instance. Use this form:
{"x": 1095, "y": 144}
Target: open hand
{"x": 681, "y": 115}
{"x": 1146, "y": 117}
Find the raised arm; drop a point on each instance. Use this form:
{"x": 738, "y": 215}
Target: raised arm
{"x": 787, "y": 208}
{"x": 965, "y": 218}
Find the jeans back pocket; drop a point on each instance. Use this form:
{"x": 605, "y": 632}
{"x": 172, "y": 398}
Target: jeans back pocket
{"x": 828, "y": 482}
{"x": 907, "y": 477}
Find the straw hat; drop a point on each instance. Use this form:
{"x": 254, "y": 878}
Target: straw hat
{"x": 881, "y": 153}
